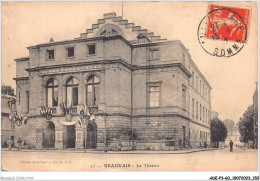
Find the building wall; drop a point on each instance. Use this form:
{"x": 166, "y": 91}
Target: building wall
{"x": 7, "y": 128}
{"x": 104, "y": 50}
{"x": 21, "y": 66}
{"x": 122, "y": 65}
{"x": 21, "y": 87}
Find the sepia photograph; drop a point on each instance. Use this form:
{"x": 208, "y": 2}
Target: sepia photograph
{"x": 129, "y": 86}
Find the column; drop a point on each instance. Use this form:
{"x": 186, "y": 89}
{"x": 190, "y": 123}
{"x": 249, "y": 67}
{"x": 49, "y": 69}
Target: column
{"x": 60, "y": 93}
{"x": 101, "y": 106}
{"x": 58, "y": 138}
{"x": 81, "y": 89}
{"x": 79, "y": 136}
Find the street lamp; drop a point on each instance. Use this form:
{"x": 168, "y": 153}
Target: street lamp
{"x": 84, "y": 116}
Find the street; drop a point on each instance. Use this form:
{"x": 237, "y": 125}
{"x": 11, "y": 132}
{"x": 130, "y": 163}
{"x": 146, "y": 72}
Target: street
{"x": 55, "y": 160}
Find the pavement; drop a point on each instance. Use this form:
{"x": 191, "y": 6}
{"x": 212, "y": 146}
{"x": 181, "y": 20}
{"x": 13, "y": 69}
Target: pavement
{"x": 112, "y": 152}
{"x": 147, "y": 160}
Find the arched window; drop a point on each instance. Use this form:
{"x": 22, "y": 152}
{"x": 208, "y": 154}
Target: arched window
{"x": 103, "y": 33}
{"x": 92, "y": 90}
{"x": 72, "y": 92}
{"x": 109, "y": 32}
{"x": 52, "y": 92}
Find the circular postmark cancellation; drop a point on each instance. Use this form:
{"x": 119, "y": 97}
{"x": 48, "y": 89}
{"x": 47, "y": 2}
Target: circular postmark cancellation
{"x": 223, "y": 31}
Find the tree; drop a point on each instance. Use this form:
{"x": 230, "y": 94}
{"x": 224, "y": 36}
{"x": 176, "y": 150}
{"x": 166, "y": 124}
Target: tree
{"x": 246, "y": 125}
{"x": 218, "y": 130}
{"x": 7, "y": 90}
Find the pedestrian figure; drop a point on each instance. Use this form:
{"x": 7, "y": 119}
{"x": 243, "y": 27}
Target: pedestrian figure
{"x": 231, "y": 146}
{"x": 205, "y": 145}
{"x": 19, "y": 144}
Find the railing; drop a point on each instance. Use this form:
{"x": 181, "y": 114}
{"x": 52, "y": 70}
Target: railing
{"x": 54, "y": 110}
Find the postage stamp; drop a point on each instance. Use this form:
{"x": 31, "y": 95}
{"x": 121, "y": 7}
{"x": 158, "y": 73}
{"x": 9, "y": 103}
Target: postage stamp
{"x": 223, "y": 31}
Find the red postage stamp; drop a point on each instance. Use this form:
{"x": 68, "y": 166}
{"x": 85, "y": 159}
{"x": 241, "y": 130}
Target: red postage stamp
{"x": 227, "y": 23}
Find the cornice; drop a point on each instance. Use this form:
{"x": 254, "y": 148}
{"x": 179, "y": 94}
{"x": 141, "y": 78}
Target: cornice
{"x": 120, "y": 61}
{"x": 80, "y": 40}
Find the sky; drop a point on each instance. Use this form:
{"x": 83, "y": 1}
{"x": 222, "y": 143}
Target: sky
{"x": 233, "y": 80}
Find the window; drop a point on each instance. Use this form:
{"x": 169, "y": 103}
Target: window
{"x": 141, "y": 40}
{"x": 192, "y": 107}
{"x": 103, "y": 33}
{"x": 197, "y": 108}
{"x": 70, "y": 52}
{"x": 92, "y": 90}
{"x": 92, "y": 49}
{"x": 154, "y": 93}
{"x": 72, "y": 92}
{"x": 183, "y": 97}
{"x": 206, "y": 115}
{"x": 109, "y": 32}
{"x": 192, "y": 79}
{"x": 200, "y": 111}
{"x": 200, "y": 87}
{"x": 203, "y": 91}
{"x": 203, "y": 114}
{"x": 27, "y": 99}
{"x": 50, "y": 54}
{"x": 197, "y": 83}
{"x": 52, "y": 93}
{"x": 206, "y": 93}
{"x": 154, "y": 54}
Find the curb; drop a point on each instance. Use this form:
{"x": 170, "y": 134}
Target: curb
{"x": 113, "y": 152}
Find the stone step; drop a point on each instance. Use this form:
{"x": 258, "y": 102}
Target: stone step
{"x": 101, "y": 21}
{"x": 136, "y": 28}
{"x": 119, "y": 18}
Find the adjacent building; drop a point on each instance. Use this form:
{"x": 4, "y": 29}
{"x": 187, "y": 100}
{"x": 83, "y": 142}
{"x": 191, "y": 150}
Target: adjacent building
{"x": 7, "y": 127}
{"x": 234, "y": 135}
{"x": 147, "y": 92}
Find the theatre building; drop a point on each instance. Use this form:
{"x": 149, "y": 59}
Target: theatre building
{"x": 145, "y": 92}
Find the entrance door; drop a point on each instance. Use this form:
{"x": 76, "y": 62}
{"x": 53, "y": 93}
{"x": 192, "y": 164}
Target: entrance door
{"x": 91, "y": 136}
{"x": 71, "y": 136}
{"x": 49, "y": 135}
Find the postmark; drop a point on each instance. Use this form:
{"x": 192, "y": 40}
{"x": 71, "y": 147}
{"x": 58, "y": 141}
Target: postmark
{"x": 223, "y": 31}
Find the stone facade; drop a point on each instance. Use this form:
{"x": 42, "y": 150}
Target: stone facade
{"x": 148, "y": 89}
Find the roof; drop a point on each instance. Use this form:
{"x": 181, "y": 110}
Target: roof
{"x": 110, "y": 21}
{"x": 21, "y": 59}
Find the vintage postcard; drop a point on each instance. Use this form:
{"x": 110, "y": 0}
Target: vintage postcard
{"x": 129, "y": 86}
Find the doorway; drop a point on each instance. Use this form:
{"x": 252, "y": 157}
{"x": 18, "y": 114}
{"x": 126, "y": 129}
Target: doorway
{"x": 49, "y": 135}
{"x": 71, "y": 136}
{"x": 91, "y": 142}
